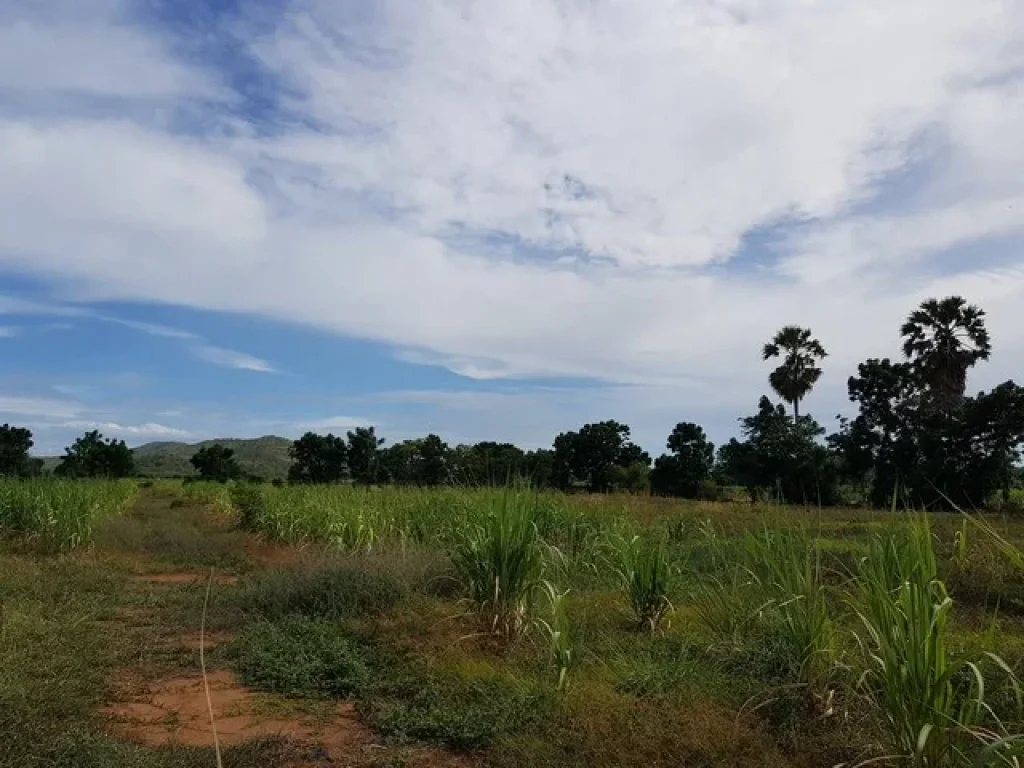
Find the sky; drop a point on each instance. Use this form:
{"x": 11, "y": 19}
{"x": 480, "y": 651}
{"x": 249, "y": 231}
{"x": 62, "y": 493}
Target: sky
{"x": 487, "y": 219}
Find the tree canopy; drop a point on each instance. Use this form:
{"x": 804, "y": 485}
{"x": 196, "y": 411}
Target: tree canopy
{"x": 799, "y": 372}
{"x": 318, "y": 459}
{"x": 15, "y": 461}
{"x": 93, "y": 456}
{"x": 216, "y": 463}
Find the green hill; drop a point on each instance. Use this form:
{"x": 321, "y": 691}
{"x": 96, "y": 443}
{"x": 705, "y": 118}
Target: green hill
{"x": 265, "y": 457}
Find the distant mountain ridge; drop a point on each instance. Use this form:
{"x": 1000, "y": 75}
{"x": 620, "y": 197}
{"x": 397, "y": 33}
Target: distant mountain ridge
{"x": 265, "y": 457}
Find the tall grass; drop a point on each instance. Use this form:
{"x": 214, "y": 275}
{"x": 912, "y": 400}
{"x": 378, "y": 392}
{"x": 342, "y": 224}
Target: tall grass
{"x": 645, "y": 572}
{"x": 61, "y": 514}
{"x": 500, "y": 561}
{"x": 933, "y": 706}
{"x": 787, "y": 567}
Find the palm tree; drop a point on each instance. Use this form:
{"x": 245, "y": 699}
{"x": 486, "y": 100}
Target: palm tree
{"x": 943, "y": 339}
{"x": 798, "y": 373}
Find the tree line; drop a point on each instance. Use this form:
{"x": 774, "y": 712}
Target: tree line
{"x": 917, "y": 436}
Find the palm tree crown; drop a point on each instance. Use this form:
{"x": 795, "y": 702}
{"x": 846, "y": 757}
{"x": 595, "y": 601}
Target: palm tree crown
{"x": 943, "y": 338}
{"x": 799, "y": 372}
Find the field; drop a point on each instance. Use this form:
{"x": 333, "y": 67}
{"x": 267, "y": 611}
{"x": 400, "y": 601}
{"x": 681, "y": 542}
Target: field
{"x": 387, "y": 627}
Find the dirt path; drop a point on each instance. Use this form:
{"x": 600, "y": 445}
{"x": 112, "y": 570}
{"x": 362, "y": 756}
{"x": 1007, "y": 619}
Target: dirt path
{"x": 160, "y": 699}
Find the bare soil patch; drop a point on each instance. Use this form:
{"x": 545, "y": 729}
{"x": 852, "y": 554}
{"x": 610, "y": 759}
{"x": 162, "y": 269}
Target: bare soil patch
{"x": 174, "y": 711}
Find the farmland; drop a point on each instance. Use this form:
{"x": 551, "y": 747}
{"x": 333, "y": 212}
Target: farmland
{"x": 399, "y": 626}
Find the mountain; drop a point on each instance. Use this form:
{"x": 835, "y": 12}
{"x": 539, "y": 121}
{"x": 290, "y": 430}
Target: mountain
{"x": 265, "y": 457}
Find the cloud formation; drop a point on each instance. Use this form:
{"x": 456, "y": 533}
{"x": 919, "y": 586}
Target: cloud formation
{"x": 230, "y": 358}
{"x": 637, "y": 193}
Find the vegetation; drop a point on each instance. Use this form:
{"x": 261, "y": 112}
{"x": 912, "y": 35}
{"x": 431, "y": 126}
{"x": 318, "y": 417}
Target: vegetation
{"x": 15, "y": 444}
{"x": 61, "y": 514}
{"x": 93, "y": 456}
{"x": 798, "y": 374}
{"x": 216, "y": 463}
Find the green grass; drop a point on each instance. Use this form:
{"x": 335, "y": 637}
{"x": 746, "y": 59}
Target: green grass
{"x": 362, "y": 594}
{"x": 61, "y": 514}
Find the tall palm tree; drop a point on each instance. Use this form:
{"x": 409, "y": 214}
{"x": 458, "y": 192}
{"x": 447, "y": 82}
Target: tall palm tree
{"x": 943, "y": 339}
{"x": 799, "y": 371}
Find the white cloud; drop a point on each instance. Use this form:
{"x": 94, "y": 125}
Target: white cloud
{"x": 230, "y": 358}
{"x": 547, "y": 188}
{"x": 147, "y": 430}
{"x": 335, "y": 422}
{"x": 38, "y": 407}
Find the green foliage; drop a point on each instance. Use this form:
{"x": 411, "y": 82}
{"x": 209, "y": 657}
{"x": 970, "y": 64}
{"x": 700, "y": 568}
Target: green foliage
{"x": 933, "y": 706}
{"x": 15, "y": 443}
{"x": 683, "y": 471}
{"x": 93, "y": 456}
{"x": 318, "y": 459}
{"x": 322, "y": 591}
{"x": 364, "y": 455}
{"x": 780, "y": 458}
{"x": 425, "y": 462}
{"x": 942, "y": 339}
{"x": 61, "y": 513}
{"x": 646, "y": 575}
{"x": 216, "y": 464}
{"x": 500, "y": 561}
{"x": 787, "y": 566}
{"x": 449, "y": 709}
{"x": 590, "y": 457}
{"x": 798, "y": 374}
{"x": 559, "y": 634}
{"x": 300, "y": 656}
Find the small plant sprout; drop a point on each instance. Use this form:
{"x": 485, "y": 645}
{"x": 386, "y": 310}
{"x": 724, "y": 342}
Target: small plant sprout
{"x": 558, "y": 633}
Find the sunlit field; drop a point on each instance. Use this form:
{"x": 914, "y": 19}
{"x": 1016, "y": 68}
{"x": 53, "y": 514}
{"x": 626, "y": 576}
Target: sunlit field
{"x": 509, "y": 627}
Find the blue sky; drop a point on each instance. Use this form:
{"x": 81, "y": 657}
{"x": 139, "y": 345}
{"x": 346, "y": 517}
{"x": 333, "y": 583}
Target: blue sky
{"x": 488, "y": 220}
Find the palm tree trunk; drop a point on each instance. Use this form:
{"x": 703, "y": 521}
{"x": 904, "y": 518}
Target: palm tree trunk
{"x": 796, "y": 409}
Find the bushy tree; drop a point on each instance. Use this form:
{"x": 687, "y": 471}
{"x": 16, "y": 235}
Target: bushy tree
{"x": 93, "y": 456}
{"x": 688, "y": 464}
{"x": 15, "y": 461}
{"x": 488, "y": 464}
{"x": 781, "y": 458}
{"x": 364, "y": 455}
{"x": 318, "y": 459}
{"x": 917, "y": 437}
{"x": 589, "y": 457}
{"x": 799, "y": 372}
{"x": 425, "y": 461}
{"x": 216, "y": 463}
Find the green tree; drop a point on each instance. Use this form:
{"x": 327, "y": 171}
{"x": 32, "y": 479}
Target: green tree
{"x": 687, "y": 466}
{"x": 425, "y": 461}
{"x": 93, "y": 456}
{"x": 487, "y": 464}
{"x": 589, "y": 457}
{"x": 781, "y": 457}
{"x": 799, "y": 372}
{"x": 364, "y": 455}
{"x": 15, "y": 444}
{"x": 318, "y": 459}
{"x": 216, "y": 463}
{"x": 942, "y": 339}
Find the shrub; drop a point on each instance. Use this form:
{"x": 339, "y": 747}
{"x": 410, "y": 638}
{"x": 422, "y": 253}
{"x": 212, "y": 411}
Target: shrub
{"x": 300, "y": 656}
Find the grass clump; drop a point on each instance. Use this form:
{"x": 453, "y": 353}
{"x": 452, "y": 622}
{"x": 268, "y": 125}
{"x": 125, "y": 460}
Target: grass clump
{"x": 787, "y": 567}
{"x": 300, "y": 656}
{"x": 933, "y": 707}
{"x": 500, "y": 561}
{"x": 646, "y": 574}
